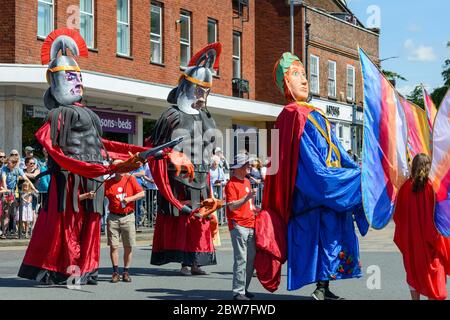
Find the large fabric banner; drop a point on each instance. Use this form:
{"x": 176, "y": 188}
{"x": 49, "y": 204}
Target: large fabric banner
{"x": 384, "y": 163}
{"x": 440, "y": 167}
{"x": 419, "y": 135}
{"x": 430, "y": 108}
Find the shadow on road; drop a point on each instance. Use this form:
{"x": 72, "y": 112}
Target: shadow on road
{"x": 105, "y": 273}
{"x": 24, "y": 283}
{"x": 175, "y": 294}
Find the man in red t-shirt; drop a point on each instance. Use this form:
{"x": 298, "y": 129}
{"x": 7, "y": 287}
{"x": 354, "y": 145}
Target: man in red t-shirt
{"x": 122, "y": 191}
{"x": 241, "y": 222}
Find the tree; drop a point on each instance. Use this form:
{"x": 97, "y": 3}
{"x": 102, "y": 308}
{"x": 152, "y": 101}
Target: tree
{"x": 392, "y": 76}
{"x": 438, "y": 94}
{"x": 416, "y": 96}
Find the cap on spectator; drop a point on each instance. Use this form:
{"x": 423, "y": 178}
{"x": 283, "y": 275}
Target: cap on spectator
{"x": 217, "y": 150}
{"x": 240, "y": 160}
{"x": 29, "y": 148}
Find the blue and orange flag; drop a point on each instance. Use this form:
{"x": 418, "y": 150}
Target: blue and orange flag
{"x": 384, "y": 163}
{"x": 440, "y": 167}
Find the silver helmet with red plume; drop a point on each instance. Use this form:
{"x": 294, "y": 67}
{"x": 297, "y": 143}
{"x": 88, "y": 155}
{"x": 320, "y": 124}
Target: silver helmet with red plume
{"x": 63, "y": 74}
{"x": 196, "y": 81}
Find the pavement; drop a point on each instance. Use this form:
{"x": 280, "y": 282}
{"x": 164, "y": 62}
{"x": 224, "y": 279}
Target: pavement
{"x": 383, "y": 276}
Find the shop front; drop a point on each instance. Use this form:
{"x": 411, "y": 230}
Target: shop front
{"x": 341, "y": 118}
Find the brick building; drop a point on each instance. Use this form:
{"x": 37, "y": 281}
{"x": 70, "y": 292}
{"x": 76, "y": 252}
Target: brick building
{"x": 327, "y": 35}
{"x": 137, "y": 51}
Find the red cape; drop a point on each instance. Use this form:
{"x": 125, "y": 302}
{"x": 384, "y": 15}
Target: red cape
{"x": 271, "y": 223}
{"x": 426, "y": 254}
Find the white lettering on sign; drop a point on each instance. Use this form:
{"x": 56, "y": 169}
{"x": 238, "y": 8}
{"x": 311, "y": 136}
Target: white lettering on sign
{"x": 119, "y": 123}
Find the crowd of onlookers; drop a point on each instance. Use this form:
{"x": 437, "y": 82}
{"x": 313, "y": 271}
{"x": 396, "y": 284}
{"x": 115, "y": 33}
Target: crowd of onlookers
{"x": 24, "y": 185}
{"x": 20, "y": 189}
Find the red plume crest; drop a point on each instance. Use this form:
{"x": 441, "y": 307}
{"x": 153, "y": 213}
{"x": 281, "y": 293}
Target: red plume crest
{"x": 217, "y": 46}
{"x": 75, "y": 35}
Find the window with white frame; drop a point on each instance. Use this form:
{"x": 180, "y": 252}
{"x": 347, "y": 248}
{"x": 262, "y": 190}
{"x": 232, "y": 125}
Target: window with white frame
{"x": 185, "y": 38}
{"x": 332, "y": 79}
{"x": 87, "y": 21}
{"x": 212, "y": 34}
{"x": 156, "y": 33}
{"x": 314, "y": 74}
{"x": 45, "y": 17}
{"x": 212, "y": 30}
{"x": 123, "y": 27}
{"x": 350, "y": 83}
{"x": 236, "y": 54}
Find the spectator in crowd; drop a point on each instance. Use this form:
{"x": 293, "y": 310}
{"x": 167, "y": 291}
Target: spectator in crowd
{"x": 15, "y": 153}
{"x": 2, "y": 190}
{"x": 152, "y": 205}
{"x": 241, "y": 223}
{"x": 29, "y": 154}
{"x": 28, "y": 213}
{"x": 255, "y": 175}
{"x": 263, "y": 169}
{"x": 223, "y": 163}
{"x": 44, "y": 181}
{"x": 139, "y": 175}
{"x": 122, "y": 192}
{"x": 10, "y": 177}
{"x": 148, "y": 178}
{"x": 216, "y": 174}
{"x": 31, "y": 171}
{"x": 2, "y": 158}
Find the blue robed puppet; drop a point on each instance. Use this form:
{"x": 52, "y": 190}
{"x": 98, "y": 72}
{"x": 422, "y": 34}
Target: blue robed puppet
{"x": 310, "y": 203}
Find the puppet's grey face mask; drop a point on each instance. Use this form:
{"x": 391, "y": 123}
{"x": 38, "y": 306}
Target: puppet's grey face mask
{"x": 199, "y": 96}
{"x": 67, "y": 87}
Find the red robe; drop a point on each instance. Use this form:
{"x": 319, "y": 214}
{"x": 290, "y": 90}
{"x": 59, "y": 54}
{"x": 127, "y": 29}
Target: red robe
{"x": 271, "y": 223}
{"x": 183, "y": 238}
{"x": 426, "y": 253}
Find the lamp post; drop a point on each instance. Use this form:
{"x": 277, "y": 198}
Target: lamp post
{"x": 388, "y": 58}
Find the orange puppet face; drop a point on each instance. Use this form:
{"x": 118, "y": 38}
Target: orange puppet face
{"x": 296, "y": 82}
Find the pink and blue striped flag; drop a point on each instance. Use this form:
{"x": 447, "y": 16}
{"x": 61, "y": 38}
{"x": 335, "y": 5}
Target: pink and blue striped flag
{"x": 384, "y": 163}
{"x": 430, "y": 108}
{"x": 440, "y": 167}
{"x": 419, "y": 135}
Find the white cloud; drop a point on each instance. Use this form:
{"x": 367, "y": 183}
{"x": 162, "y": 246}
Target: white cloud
{"x": 414, "y": 28}
{"x": 419, "y": 53}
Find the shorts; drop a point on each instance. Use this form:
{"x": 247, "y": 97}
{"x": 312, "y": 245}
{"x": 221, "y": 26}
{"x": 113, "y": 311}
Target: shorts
{"x": 121, "y": 226}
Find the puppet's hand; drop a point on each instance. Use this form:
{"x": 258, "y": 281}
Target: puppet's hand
{"x": 180, "y": 160}
{"x": 208, "y": 206}
{"x": 214, "y": 225}
{"x": 132, "y": 163}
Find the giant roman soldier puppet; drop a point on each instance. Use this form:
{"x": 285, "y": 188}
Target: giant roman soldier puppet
{"x": 308, "y": 204}
{"x": 182, "y": 233}
{"x": 66, "y": 237}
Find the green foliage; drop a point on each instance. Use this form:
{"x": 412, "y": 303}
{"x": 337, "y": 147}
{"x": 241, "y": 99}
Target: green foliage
{"x": 29, "y": 128}
{"x": 439, "y": 93}
{"x": 416, "y": 96}
{"x": 392, "y": 76}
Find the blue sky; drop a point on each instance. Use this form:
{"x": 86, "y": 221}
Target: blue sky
{"x": 416, "y": 31}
